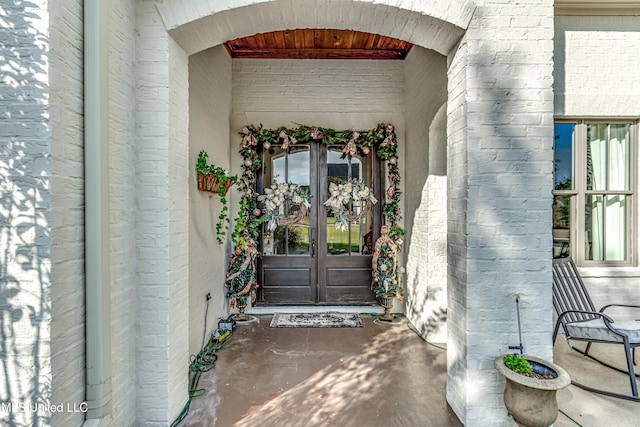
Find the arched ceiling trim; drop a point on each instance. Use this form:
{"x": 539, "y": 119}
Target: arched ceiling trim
{"x": 436, "y": 24}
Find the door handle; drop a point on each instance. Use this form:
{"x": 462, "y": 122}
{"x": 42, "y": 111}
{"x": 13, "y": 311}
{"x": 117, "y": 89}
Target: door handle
{"x": 313, "y": 242}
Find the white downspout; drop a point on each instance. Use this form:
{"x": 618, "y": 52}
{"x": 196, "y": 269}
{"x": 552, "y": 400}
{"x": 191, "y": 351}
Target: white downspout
{"x": 96, "y": 172}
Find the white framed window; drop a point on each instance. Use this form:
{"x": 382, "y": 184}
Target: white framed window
{"x": 594, "y": 191}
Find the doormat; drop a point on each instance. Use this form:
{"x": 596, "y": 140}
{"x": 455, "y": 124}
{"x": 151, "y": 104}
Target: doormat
{"x": 316, "y": 320}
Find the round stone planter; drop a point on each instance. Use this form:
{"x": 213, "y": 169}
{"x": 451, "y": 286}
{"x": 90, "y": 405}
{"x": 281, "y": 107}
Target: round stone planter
{"x": 241, "y": 316}
{"x": 532, "y": 401}
{"x": 387, "y": 304}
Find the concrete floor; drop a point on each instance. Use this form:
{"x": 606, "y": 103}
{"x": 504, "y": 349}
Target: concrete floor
{"x": 378, "y": 375}
{"x": 583, "y": 408}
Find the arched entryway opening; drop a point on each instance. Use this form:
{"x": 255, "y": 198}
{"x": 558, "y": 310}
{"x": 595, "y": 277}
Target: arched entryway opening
{"x": 462, "y": 72}
{"x": 225, "y": 94}
{"x": 338, "y": 92}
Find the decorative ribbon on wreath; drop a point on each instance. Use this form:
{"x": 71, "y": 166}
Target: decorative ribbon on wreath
{"x": 274, "y": 204}
{"x": 341, "y": 194}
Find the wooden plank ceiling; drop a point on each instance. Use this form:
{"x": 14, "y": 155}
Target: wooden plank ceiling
{"x": 318, "y": 44}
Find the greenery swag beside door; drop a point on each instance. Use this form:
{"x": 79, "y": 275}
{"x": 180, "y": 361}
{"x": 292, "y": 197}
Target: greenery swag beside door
{"x": 256, "y": 209}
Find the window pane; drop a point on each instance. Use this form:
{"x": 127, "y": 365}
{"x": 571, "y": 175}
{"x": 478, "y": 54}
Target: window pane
{"x": 606, "y": 228}
{"x": 619, "y": 170}
{"x": 562, "y": 226}
{"x": 594, "y": 228}
{"x": 597, "y": 157}
{"x": 563, "y": 155}
{"x": 615, "y": 228}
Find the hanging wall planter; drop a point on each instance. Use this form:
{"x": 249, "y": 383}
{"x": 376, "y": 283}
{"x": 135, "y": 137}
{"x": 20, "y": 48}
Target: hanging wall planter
{"x": 212, "y": 178}
{"x": 215, "y": 180}
{"x": 213, "y": 184}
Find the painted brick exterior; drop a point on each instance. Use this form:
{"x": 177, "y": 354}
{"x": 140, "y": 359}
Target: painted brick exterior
{"x": 457, "y": 193}
{"x": 152, "y": 220}
{"x": 509, "y": 115}
{"x": 209, "y": 112}
{"x": 426, "y": 192}
{"x": 122, "y": 175}
{"x": 596, "y": 65}
{"x": 26, "y": 212}
{"x": 178, "y": 231}
{"x": 67, "y": 210}
{"x": 166, "y": 105}
{"x": 312, "y": 88}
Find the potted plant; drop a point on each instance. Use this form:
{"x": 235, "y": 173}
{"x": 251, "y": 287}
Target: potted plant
{"x": 211, "y": 177}
{"x": 216, "y": 180}
{"x": 387, "y": 274}
{"x": 530, "y": 388}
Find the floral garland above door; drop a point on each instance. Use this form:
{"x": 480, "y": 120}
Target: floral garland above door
{"x": 241, "y": 278}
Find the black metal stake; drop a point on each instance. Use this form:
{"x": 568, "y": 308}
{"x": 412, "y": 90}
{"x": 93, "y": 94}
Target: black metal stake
{"x": 518, "y": 347}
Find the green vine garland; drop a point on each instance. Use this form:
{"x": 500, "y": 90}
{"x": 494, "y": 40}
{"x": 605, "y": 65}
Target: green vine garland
{"x": 224, "y": 181}
{"x": 382, "y": 139}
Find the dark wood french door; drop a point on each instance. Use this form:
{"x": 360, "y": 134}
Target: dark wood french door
{"x": 313, "y": 262}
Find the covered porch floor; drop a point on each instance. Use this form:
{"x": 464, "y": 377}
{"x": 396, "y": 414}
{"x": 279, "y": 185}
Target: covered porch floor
{"x": 377, "y": 375}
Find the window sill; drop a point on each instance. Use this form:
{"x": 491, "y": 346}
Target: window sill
{"x": 600, "y": 272}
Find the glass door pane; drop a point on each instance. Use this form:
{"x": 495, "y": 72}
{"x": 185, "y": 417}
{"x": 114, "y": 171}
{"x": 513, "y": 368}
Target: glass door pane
{"x": 282, "y": 168}
{"x": 351, "y": 237}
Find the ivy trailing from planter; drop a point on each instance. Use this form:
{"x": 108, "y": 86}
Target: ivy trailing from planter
{"x": 216, "y": 180}
{"x": 382, "y": 139}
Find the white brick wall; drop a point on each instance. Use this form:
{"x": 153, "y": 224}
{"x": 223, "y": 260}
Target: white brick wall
{"x": 508, "y": 157}
{"x": 25, "y": 211}
{"x": 499, "y": 130}
{"x": 596, "y": 66}
{"x": 122, "y": 169}
{"x": 349, "y": 94}
{"x": 457, "y": 192}
{"x": 425, "y": 196}
{"x": 162, "y": 222}
{"x": 67, "y": 210}
{"x": 500, "y": 102}
{"x": 179, "y": 166}
{"x": 152, "y": 220}
{"x": 209, "y": 111}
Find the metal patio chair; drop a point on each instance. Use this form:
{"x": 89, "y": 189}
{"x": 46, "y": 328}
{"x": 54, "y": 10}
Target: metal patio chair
{"x": 582, "y": 322}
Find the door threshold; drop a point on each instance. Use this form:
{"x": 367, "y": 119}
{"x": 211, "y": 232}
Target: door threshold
{"x": 372, "y": 308}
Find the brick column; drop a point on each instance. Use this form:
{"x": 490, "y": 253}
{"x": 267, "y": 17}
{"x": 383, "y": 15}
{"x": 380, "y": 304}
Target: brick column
{"x": 161, "y": 222}
{"x": 500, "y": 181}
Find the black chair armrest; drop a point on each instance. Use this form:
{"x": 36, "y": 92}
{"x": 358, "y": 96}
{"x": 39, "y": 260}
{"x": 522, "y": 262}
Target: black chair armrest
{"x": 594, "y": 313}
{"x": 618, "y": 305}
